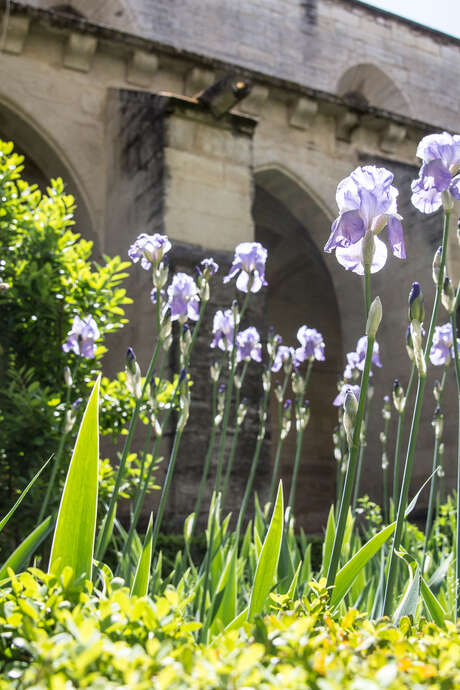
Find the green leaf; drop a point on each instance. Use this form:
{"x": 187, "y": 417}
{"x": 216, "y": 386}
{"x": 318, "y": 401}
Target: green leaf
{"x": 141, "y": 579}
{"x": 433, "y": 606}
{"x": 440, "y": 573}
{"x": 73, "y": 542}
{"x": 293, "y": 586}
{"x": 346, "y": 575}
{"x": 26, "y": 548}
{"x": 328, "y": 540}
{"x": 408, "y": 605}
{"x": 24, "y": 493}
{"x": 267, "y": 563}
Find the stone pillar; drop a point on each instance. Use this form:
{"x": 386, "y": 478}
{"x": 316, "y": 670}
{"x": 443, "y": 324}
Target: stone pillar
{"x": 175, "y": 169}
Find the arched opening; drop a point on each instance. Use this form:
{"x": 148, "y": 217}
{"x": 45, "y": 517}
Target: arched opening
{"x": 365, "y": 84}
{"x": 43, "y": 162}
{"x": 300, "y": 291}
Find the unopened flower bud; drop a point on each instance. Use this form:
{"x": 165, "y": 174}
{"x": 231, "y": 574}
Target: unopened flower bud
{"x": 241, "y": 412}
{"x": 384, "y": 461}
{"x": 419, "y": 359}
{"x": 214, "y": 371}
{"x": 437, "y": 390}
{"x": 302, "y": 413}
{"x": 441, "y": 450}
{"x": 409, "y": 344}
{"x": 438, "y": 423}
{"x": 374, "y": 318}
{"x": 184, "y": 405}
{"x": 273, "y": 342}
{"x": 386, "y": 410}
{"x": 133, "y": 374}
{"x": 416, "y": 308}
{"x": 237, "y": 381}
{"x": 266, "y": 380}
{"x": 71, "y": 415}
{"x": 437, "y": 265}
{"x": 448, "y": 295}
{"x": 370, "y": 392}
{"x": 160, "y": 275}
{"x": 286, "y": 420}
{"x": 297, "y": 383}
{"x": 441, "y": 472}
{"x": 67, "y": 377}
{"x": 279, "y": 392}
{"x": 166, "y": 328}
{"x": 235, "y": 313}
{"x": 350, "y": 410}
{"x": 383, "y": 438}
{"x": 399, "y": 400}
{"x": 156, "y": 425}
{"x": 167, "y": 342}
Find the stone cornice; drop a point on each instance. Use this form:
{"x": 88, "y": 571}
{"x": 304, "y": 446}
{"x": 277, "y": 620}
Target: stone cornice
{"x": 329, "y": 104}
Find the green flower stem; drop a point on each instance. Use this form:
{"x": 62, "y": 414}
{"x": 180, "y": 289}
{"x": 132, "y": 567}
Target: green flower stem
{"x": 362, "y": 446}
{"x": 351, "y": 471}
{"x": 252, "y": 472}
{"x": 399, "y": 435}
{"x": 58, "y": 458}
{"x": 228, "y": 469}
{"x": 367, "y": 289}
{"x": 228, "y": 397}
{"x": 299, "y": 439}
{"x": 433, "y": 487}
{"x": 402, "y": 505}
{"x": 279, "y": 447}
{"x": 457, "y": 535}
{"x": 166, "y": 487}
{"x": 104, "y": 534}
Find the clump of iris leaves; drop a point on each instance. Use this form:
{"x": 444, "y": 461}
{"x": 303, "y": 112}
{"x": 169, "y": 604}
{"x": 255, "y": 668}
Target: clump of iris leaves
{"x": 252, "y": 609}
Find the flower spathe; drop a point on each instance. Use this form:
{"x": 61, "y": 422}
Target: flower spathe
{"x": 249, "y": 261}
{"x": 248, "y": 345}
{"x": 440, "y": 154}
{"x": 149, "y": 249}
{"x": 223, "y": 327}
{"x": 312, "y": 345}
{"x": 442, "y": 347}
{"x": 82, "y": 336}
{"x": 367, "y": 204}
{"x": 183, "y": 299}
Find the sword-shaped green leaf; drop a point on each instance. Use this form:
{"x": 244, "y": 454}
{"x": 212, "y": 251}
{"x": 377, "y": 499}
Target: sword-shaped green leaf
{"x": 73, "y": 541}
{"x": 26, "y": 548}
{"x": 141, "y": 579}
{"x": 24, "y": 493}
{"x": 267, "y": 563}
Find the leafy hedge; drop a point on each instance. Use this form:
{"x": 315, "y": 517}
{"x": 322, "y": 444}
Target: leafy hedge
{"x": 100, "y": 637}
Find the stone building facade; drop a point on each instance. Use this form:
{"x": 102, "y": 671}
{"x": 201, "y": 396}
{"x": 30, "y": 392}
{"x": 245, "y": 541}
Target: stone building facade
{"x": 104, "y": 94}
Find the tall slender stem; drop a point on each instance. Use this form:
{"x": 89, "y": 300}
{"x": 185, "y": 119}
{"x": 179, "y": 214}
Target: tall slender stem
{"x": 299, "y": 439}
{"x": 399, "y": 434}
{"x": 351, "y": 471}
{"x": 367, "y": 289}
{"x": 457, "y": 535}
{"x": 228, "y": 469}
{"x": 392, "y": 571}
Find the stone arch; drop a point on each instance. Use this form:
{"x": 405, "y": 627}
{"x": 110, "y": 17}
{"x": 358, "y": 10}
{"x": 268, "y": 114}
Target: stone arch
{"x": 114, "y": 13}
{"x": 301, "y": 290}
{"x": 45, "y": 160}
{"x": 365, "y": 84}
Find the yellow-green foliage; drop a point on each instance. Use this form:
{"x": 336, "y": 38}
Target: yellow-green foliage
{"x": 51, "y": 637}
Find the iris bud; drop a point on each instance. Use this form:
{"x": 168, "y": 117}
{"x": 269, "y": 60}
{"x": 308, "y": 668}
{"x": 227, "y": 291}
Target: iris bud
{"x": 67, "y": 377}
{"x": 384, "y": 461}
{"x": 438, "y": 423}
{"x": 133, "y": 374}
{"x": 448, "y": 295}
{"x": 399, "y": 399}
{"x": 374, "y": 318}
{"x": 436, "y": 268}
{"x": 409, "y": 344}
{"x": 416, "y": 308}
{"x": 350, "y": 410}
{"x": 241, "y": 412}
{"x": 416, "y": 334}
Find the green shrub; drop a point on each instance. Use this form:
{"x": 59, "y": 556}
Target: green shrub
{"x": 47, "y": 278}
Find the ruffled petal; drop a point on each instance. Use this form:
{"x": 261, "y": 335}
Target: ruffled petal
{"x": 351, "y": 258}
{"x": 396, "y": 237}
{"x": 347, "y": 229}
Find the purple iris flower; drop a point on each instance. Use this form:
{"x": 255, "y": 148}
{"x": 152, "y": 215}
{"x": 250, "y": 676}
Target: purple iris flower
{"x": 283, "y": 355}
{"x": 355, "y": 360}
{"x": 442, "y": 348}
{"x": 367, "y": 203}
{"x": 183, "y": 298}
{"x": 249, "y": 262}
{"x": 208, "y": 266}
{"x": 248, "y": 344}
{"x": 340, "y": 398}
{"x": 81, "y": 337}
{"x": 223, "y": 327}
{"x": 312, "y": 345}
{"x": 440, "y": 154}
{"x": 149, "y": 249}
